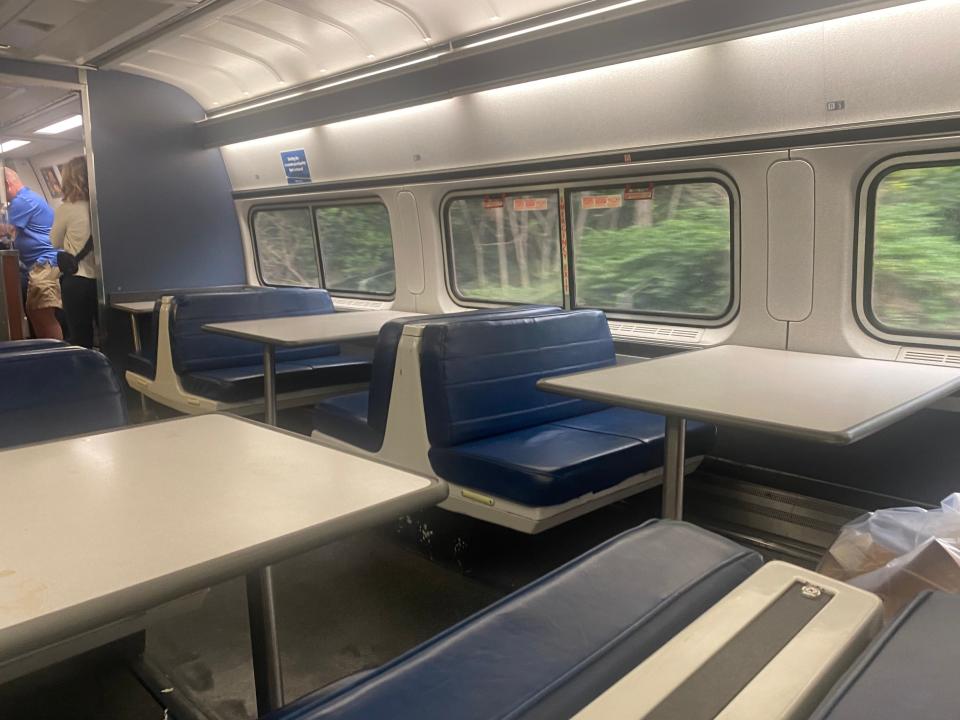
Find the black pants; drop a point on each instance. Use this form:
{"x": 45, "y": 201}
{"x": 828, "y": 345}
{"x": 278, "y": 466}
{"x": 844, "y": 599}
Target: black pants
{"x": 80, "y": 305}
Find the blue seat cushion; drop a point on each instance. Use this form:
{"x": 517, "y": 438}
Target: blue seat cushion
{"x": 345, "y": 418}
{"x": 553, "y": 463}
{"x": 550, "y": 464}
{"x": 13, "y": 346}
{"x": 550, "y": 648}
{"x": 645, "y": 427}
{"x": 55, "y": 393}
{"x": 239, "y": 384}
{"x": 909, "y": 671}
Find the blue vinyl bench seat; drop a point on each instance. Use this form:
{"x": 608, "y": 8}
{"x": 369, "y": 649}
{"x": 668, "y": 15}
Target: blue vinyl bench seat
{"x": 548, "y": 649}
{"x": 236, "y": 384}
{"x": 909, "y": 671}
{"x": 228, "y": 369}
{"x": 493, "y": 431}
{"x": 55, "y": 393}
{"x": 557, "y": 462}
{"x": 361, "y": 418}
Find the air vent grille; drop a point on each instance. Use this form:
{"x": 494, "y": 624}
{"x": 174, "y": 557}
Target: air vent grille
{"x": 663, "y": 333}
{"x": 358, "y": 304}
{"x": 929, "y": 357}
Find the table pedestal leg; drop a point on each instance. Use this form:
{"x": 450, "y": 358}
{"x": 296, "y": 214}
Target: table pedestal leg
{"x": 137, "y": 347}
{"x": 264, "y": 645}
{"x": 269, "y": 385}
{"x": 135, "y": 331}
{"x": 673, "y": 466}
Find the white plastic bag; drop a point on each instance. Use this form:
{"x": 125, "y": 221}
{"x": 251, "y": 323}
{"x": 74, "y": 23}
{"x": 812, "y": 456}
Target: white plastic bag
{"x": 899, "y": 552}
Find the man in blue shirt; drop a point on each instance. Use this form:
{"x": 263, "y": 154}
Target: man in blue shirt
{"x": 31, "y": 219}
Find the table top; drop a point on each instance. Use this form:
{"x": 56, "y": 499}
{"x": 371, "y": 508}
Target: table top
{"x": 818, "y": 397}
{"x": 310, "y": 329}
{"x": 101, "y": 527}
{"x": 139, "y": 307}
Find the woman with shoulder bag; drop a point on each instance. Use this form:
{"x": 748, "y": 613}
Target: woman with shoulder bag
{"x": 71, "y": 233}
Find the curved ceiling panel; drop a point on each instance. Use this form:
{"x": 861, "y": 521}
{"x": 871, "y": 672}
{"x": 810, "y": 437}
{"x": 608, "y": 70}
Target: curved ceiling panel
{"x": 247, "y": 48}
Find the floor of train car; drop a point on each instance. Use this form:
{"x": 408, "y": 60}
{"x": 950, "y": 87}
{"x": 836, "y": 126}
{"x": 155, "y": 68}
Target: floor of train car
{"x": 348, "y": 606}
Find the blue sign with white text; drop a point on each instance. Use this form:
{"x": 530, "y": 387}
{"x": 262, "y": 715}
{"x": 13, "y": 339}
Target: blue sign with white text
{"x": 295, "y": 166}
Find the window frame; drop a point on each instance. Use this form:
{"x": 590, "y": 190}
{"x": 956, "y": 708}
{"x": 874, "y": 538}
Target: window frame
{"x": 448, "y": 253}
{"x": 251, "y": 224}
{"x": 565, "y": 189}
{"x": 311, "y": 207}
{"x": 665, "y": 179}
{"x": 865, "y": 245}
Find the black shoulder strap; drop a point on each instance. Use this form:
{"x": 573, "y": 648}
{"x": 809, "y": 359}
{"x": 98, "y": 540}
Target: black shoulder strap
{"x": 86, "y": 250}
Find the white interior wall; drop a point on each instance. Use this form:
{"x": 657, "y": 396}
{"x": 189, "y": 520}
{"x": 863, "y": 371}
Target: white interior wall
{"x": 778, "y": 82}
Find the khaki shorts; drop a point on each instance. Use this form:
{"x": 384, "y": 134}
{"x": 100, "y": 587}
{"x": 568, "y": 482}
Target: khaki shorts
{"x": 43, "y": 287}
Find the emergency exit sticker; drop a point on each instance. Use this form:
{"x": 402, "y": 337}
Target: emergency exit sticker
{"x": 599, "y": 202}
{"x": 494, "y": 202}
{"x": 639, "y": 193}
{"x": 295, "y": 166}
{"x": 528, "y": 204}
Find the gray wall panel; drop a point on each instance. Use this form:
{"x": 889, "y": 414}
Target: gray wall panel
{"x": 893, "y": 63}
{"x": 790, "y": 216}
{"x": 166, "y": 216}
{"x": 695, "y": 95}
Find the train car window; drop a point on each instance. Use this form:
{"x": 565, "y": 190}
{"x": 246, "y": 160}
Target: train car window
{"x": 356, "y": 248}
{"x": 286, "y": 247}
{"x": 505, "y": 248}
{"x": 913, "y": 251}
{"x": 653, "y": 248}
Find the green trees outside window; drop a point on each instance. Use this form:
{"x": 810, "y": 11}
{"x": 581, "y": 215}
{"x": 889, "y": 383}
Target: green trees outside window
{"x": 915, "y": 263}
{"x": 356, "y": 248}
{"x": 286, "y": 249}
{"x": 506, "y": 248}
{"x": 663, "y": 248}
{"x": 354, "y": 242}
{"x": 659, "y": 249}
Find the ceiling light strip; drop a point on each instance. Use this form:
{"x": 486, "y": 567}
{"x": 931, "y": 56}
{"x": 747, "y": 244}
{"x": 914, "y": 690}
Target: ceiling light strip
{"x": 499, "y": 36}
{"x": 12, "y": 145}
{"x": 74, "y": 121}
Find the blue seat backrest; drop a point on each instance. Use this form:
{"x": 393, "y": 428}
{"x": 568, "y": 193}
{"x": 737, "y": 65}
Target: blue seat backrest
{"x": 48, "y": 394}
{"x": 194, "y": 349}
{"x": 385, "y": 352}
{"x": 479, "y": 377}
{"x": 13, "y": 346}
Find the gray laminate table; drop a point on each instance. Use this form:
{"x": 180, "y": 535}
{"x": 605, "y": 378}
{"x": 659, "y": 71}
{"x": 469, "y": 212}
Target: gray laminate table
{"x": 101, "y": 527}
{"x": 302, "y": 331}
{"x": 825, "y": 398}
